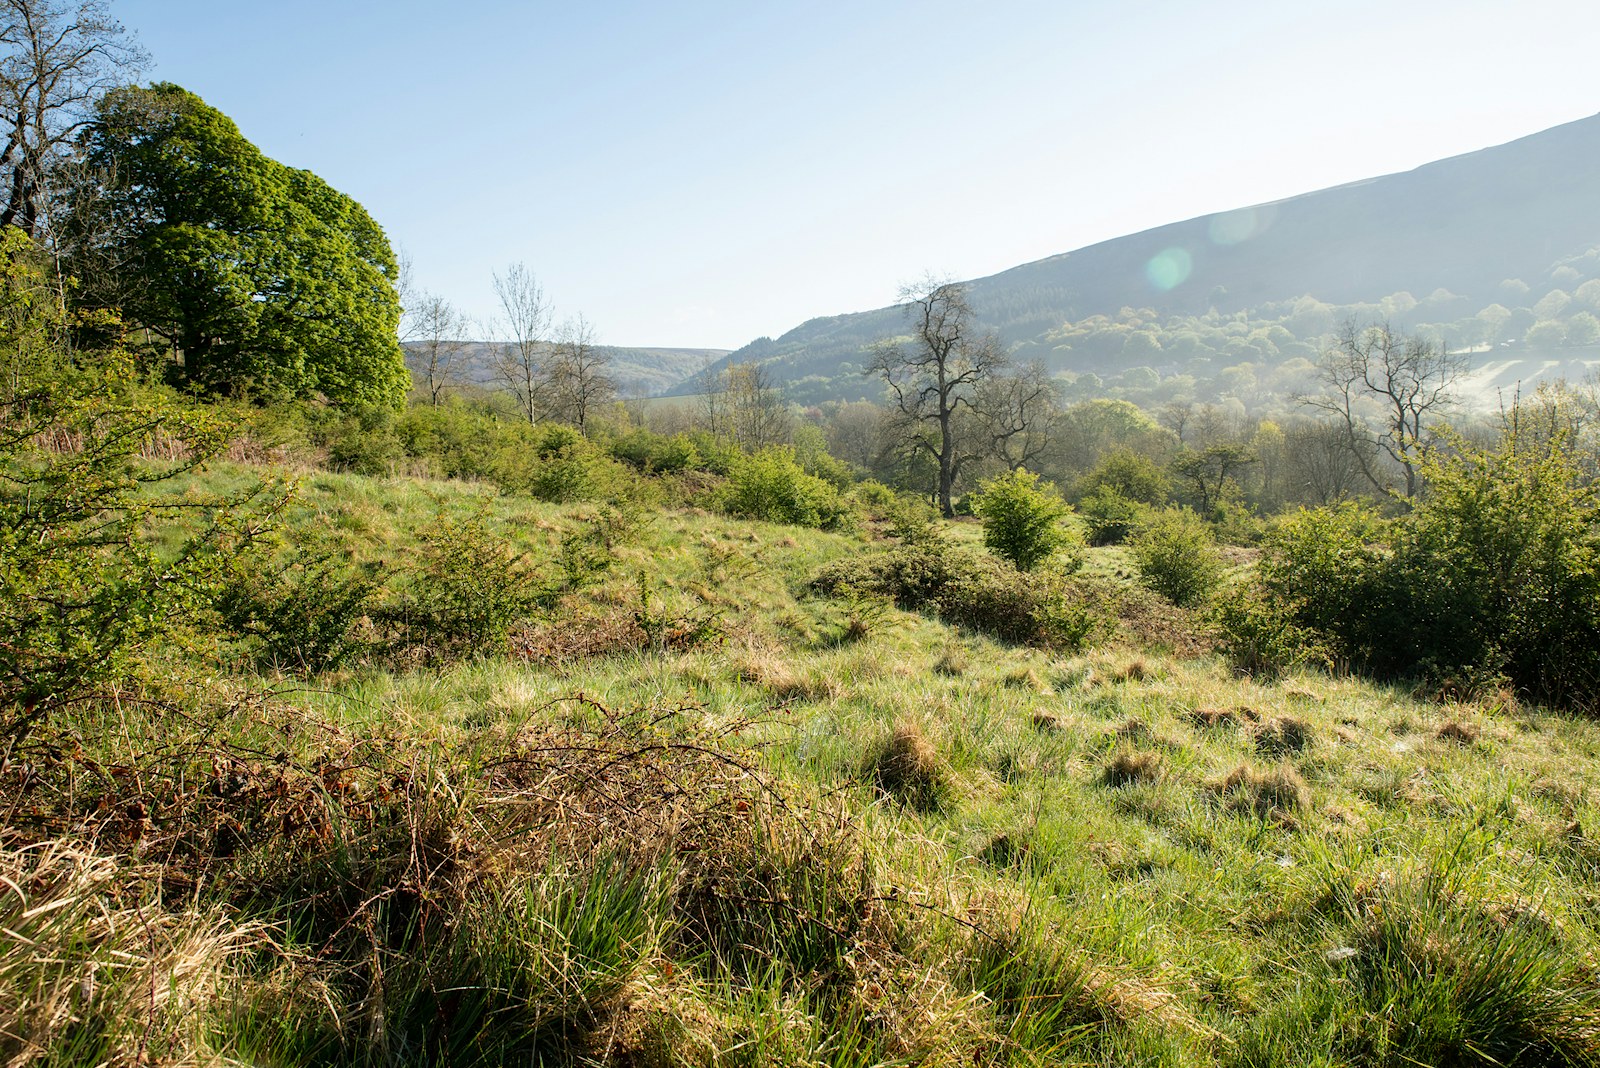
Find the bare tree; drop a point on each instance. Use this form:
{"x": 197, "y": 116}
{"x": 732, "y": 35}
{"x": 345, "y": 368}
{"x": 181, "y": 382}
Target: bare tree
{"x": 519, "y": 359}
{"x": 934, "y": 374}
{"x": 1175, "y": 416}
{"x": 743, "y": 403}
{"x": 439, "y": 340}
{"x": 575, "y": 373}
{"x": 1322, "y": 462}
{"x": 855, "y": 433}
{"x": 1017, "y": 413}
{"x": 1403, "y": 382}
{"x": 57, "y": 58}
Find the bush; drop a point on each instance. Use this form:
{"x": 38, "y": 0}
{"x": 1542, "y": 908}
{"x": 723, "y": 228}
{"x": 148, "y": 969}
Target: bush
{"x": 300, "y": 614}
{"x": 83, "y": 592}
{"x": 366, "y": 443}
{"x": 1022, "y": 521}
{"x": 469, "y": 589}
{"x": 770, "y": 486}
{"x": 1260, "y": 637}
{"x": 1176, "y": 557}
{"x": 1108, "y": 517}
{"x": 652, "y": 453}
{"x": 1494, "y": 575}
{"x": 1325, "y": 572}
{"x": 1129, "y": 475}
{"x": 969, "y": 590}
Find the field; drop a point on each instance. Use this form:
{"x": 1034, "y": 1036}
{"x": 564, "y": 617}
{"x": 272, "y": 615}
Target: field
{"x": 695, "y": 813}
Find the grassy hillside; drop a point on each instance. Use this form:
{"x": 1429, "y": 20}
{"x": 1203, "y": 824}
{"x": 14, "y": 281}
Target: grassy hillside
{"x": 691, "y": 812}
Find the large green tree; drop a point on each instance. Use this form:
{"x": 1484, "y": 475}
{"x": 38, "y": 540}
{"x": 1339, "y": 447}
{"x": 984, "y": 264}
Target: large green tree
{"x": 262, "y": 279}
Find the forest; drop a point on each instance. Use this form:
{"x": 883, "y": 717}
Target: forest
{"x": 372, "y": 693}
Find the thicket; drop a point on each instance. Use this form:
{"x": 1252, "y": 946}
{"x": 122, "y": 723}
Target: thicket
{"x": 1494, "y": 577}
{"x": 969, "y": 589}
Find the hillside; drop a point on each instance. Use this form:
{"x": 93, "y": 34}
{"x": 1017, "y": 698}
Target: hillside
{"x": 697, "y": 810}
{"x": 1454, "y": 231}
{"x": 638, "y": 372}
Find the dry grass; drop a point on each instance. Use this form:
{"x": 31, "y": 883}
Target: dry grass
{"x": 94, "y": 971}
{"x": 1027, "y": 678}
{"x": 1272, "y": 794}
{"x": 908, "y": 767}
{"x": 1219, "y": 717}
{"x": 1129, "y": 766}
{"x": 1457, "y": 732}
{"x": 1046, "y": 721}
{"x": 953, "y": 662}
{"x": 1283, "y": 735}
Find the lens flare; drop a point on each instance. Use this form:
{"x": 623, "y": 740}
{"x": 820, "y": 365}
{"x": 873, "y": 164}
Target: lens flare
{"x": 1233, "y": 227}
{"x": 1169, "y": 268}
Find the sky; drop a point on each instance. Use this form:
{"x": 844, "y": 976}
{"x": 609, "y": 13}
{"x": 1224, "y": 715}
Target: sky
{"x": 703, "y": 173}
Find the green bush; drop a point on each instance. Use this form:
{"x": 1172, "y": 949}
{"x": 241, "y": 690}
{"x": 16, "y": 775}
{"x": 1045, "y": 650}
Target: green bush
{"x": 85, "y": 593}
{"x": 913, "y": 520}
{"x": 1174, "y": 553}
{"x": 1022, "y": 521}
{"x": 299, "y": 614}
{"x": 1260, "y": 637}
{"x": 366, "y": 443}
{"x": 1128, "y": 475}
{"x": 652, "y": 453}
{"x": 469, "y": 589}
{"x": 1108, "y": 517}
{"x": 771, "y": 486}
{"x": 969, "y": 589}
{"x": 1494, "y": 575}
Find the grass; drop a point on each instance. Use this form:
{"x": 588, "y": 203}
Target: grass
{"x": 798, "y": 841}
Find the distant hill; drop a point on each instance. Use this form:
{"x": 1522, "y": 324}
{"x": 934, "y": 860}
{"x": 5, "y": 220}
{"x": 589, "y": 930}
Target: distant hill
{"x": 1505, "y": 225}
{"x": 638, "y": 372}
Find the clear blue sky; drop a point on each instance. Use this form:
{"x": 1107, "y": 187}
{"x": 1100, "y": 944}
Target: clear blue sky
{"x": 705, "y": 172}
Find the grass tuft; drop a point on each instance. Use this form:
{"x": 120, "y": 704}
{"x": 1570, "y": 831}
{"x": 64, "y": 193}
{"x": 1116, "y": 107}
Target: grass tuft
{"x": 1283, "y": 735}
{"x": 1129, "y": 766}
{"x": 908, "y": 767}
{"x": 1270, "y": 794}
{"x": 1457, "y": 732}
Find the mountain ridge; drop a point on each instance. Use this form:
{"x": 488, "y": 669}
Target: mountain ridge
{"x": 1464, "y": 224}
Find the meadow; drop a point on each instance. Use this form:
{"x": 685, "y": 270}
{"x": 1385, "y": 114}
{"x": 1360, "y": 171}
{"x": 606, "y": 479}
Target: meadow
{"x": 689, "y": 809}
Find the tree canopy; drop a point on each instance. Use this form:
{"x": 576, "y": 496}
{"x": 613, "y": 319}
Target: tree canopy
{"x": 262, "y": 279}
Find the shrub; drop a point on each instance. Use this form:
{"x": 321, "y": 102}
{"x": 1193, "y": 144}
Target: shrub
{"x": 299, "y": 614}
{"x": 653, "y": 453}
{"x": 1176, "y": 558}
{"x": 771, "y": 486}
{"x": 84, "y": 594}
{"x": 1259, "y": 635}
{"x": 366, "y": 443}
{"x": 566, "y": 467}
{"x": 469, "y": 589}
{"x": 970, "y": 590}
{"x": 1129, "y": 475}
{"x": 1108, "y": 517}
{"x": 912, "y": 520}
{"x": 1495, "y": 574}
{"x": 1499, "y": 570}
{"x": 1022, "y": 520}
